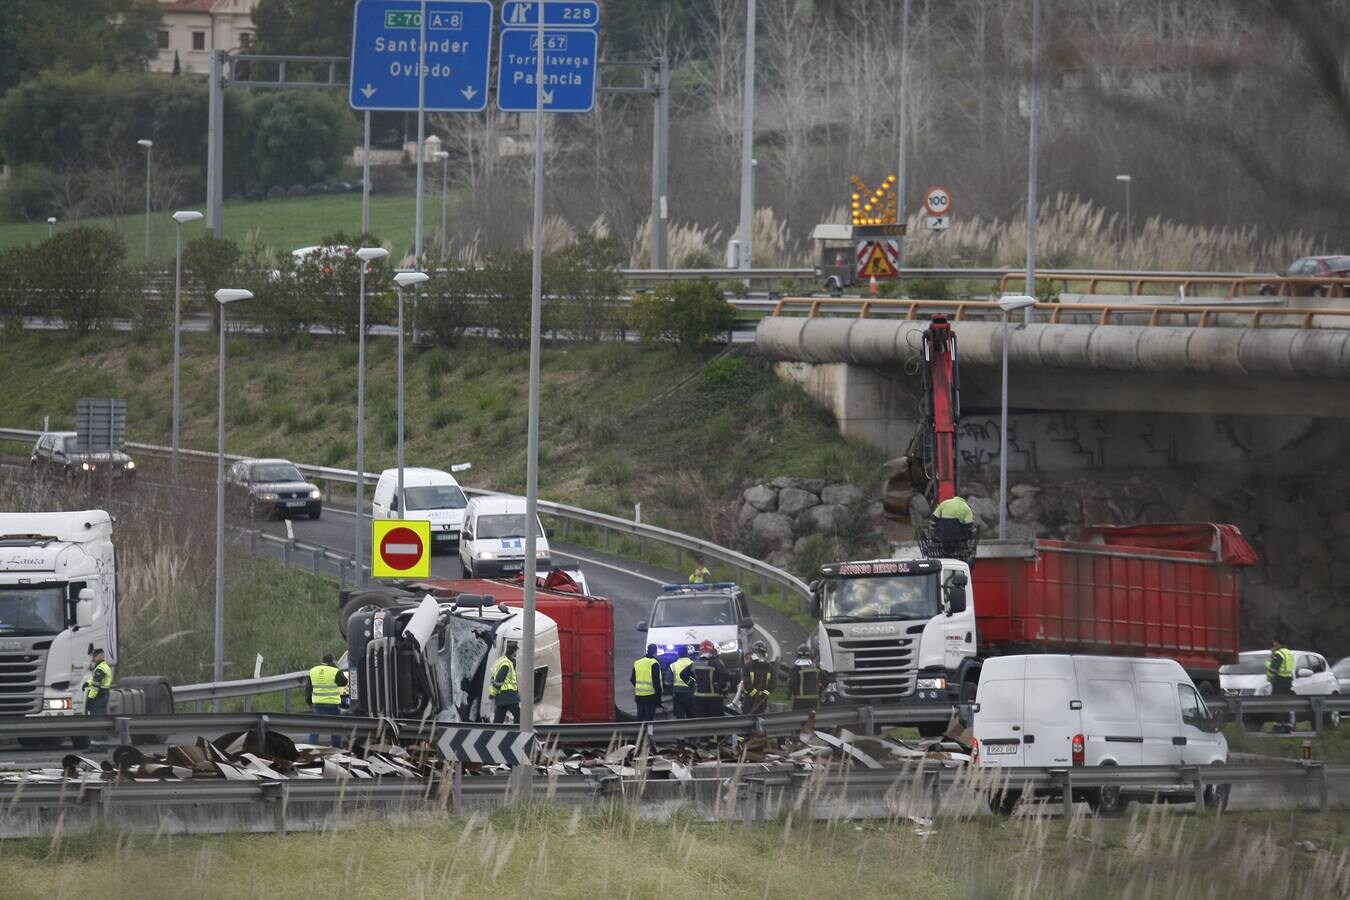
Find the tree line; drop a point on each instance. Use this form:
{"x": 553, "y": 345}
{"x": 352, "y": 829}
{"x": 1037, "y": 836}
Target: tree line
{"x": 81, "y": 280}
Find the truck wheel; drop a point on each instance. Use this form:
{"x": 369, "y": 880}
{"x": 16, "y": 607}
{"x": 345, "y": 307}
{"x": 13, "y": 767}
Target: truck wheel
{"x": 1107, "y": 802}
{"x": 382, "y": 599}
{"x": 158, "y": 702}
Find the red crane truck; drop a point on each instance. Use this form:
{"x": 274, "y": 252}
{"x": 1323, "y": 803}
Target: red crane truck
{"x": 916, "y": 628}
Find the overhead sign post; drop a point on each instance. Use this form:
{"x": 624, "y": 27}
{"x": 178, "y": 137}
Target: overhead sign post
{"x": 571, "y": 44}
{"x": 402, "y": 548}
{"x": 386, "y": 48}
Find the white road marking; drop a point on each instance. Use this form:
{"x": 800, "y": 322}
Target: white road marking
{"x": 774, "y": 648}
{"x": 290, "y": 530}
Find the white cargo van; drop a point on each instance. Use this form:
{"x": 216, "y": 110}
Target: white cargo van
{"x": 431, "y": 496}
{"x": 1058, "y": 711}
{"x": 492, "y": 541}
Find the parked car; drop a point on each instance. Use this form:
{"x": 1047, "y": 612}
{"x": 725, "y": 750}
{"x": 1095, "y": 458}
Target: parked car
{"x": 1060, "y": 711}
{"x": 1342, "y": 672}
{"x": 1313, "y": 676}
{"x": 1312, "y": 267}
{"x": 272, "y": 487}
{"x": 493, "y": 540}
{"x": 686, "y": 615}
{"x": 55, "y": 453}
{"x": 430, "y": 495}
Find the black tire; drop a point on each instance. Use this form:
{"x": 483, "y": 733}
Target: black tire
{"x": 1216, "y": 797}
{"x": 314, "y": 514}
{"x": 1002, "y": 803}
{"x": 80, "y": 743}
{"x": 158, "y": 701}
{"x": 932, "y": 729}
{"x": 381, "y": 598}
{"x": 1107, "y": 802}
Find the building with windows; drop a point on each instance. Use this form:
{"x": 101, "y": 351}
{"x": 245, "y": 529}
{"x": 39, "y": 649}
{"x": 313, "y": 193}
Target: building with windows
{"x": 193, "y": 28}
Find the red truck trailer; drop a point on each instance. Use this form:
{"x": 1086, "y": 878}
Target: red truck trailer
{"x": 1169, "y": 590}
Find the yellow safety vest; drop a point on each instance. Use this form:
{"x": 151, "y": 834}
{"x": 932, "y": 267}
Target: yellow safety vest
{"x": 1281, "y": 664}
{"x": 99, "y": 680}
{"x": 677, "y": 669}
{"x": 509, "y": 683}
{"x": 699, "y": 575}
{"x": 324, "y": 688}
{"x": 644, "y": 676}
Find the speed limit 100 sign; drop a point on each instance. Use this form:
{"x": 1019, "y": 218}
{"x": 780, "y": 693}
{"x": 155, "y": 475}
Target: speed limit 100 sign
{"x": 938, "y": 201}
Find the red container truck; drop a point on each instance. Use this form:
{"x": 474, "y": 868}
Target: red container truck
{"x": 915, "y": 630}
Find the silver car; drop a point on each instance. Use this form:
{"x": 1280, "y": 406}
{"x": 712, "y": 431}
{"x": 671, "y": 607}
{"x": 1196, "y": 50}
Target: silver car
{"x": 1342, "y": 672}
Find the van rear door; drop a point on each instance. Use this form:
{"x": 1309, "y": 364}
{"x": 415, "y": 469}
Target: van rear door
{"x": 1048, "y": 723}
{"x": 998, "y": 724}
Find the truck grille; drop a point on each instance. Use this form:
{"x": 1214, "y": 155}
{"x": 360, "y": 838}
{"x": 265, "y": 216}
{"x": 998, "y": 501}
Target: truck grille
{"x": 21, "y": 682}
{"x": 882, "y": 667}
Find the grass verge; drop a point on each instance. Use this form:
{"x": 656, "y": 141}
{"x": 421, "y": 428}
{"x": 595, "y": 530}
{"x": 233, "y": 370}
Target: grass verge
{"x": 551, "y": 852}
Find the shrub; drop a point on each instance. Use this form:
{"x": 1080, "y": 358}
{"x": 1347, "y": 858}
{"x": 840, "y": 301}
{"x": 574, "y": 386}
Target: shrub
{"x": 583, "y": 285}
{"x": 82, "y": 276}
{"x": 688, "y": 314}
{"x": 724, "y": 371}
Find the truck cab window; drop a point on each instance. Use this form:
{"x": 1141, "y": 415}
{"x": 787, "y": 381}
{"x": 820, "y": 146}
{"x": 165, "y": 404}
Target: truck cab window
{"x": 902, "y": 597}
{"x": 31, "y": 610}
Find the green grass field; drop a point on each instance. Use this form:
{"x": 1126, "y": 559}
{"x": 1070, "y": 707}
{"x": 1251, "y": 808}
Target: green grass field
{"x": 283, "y": 224}
{"x": 551, "y": 852}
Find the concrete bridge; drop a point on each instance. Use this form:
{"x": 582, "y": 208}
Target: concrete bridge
{"x": 1095, "y": 391}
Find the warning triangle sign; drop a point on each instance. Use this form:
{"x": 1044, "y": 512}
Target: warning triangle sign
{"x": 877, "y": 263}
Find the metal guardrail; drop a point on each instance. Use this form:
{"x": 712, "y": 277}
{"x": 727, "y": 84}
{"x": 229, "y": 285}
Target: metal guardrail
{"x": 1060, "y": 313}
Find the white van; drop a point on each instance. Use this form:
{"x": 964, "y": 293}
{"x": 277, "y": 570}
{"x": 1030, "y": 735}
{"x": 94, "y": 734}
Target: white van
{"x": 492, "y": 541}
{"x": 431, "y": 496}
{"x": 1059, "y": 711}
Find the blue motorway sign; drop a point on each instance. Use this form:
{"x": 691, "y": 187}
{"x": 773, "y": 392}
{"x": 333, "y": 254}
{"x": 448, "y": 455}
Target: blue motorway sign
{"x": 557, "y": 13}
{"x": 385, "y": 51}
{"x": 569, "y": 70}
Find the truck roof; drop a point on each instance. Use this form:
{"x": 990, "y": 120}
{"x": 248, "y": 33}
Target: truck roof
{"x": 77, "y": 527}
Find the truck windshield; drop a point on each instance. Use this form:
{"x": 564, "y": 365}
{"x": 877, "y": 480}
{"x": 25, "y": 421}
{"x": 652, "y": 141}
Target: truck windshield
{"x": 25, "y": 609}
{"x": 509, "y": 525}
{"x": 900, "y": 597}
{"x": 435, "y": 496}
{"x": 671, "y": 612}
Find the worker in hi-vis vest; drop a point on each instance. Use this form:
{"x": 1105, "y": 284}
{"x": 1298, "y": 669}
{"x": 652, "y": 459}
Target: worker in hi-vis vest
{"x": 646, "y": 679}
{"x": 505, "y": 687}
{"x": 324, "y": 693}
{"x": 682, "y": 684}
{"x": 1280, "y": 674}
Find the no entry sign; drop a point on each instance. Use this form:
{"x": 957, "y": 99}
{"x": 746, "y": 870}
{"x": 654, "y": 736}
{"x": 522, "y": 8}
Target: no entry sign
{"x": 402, "y": 549}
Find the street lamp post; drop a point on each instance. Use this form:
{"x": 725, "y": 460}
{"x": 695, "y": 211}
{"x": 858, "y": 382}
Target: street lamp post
{"x": 367, "y": 255}
{"x": 1009, "y": 304}
{"x": 402, "y": 279}
{"x": 223, "y": 296}
{"x": 180, "y": 218}
{"x": 51, "y": 225}
{"x": 444, "y": 157}
{"x": 1126, "y": 179}
{"x": 148, "y": 145}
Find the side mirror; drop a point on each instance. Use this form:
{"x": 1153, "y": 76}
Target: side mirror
{"x": 1303, "y": 673}
{"x": 956, "y": 596}
{"x": 84, "y": 608}
{"x": 642, "y": 626}
{"x": 747, "y": 622}
{"x": 815, "y": 605}
{"x": 959, "y": 579}
{"x": 548, "y": 532}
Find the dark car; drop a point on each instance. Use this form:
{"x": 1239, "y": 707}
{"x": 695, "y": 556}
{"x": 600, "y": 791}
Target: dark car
{"x": 56, "y": 453}
{"x": 1314, "y": 267}
{"x": 272, "y": 487}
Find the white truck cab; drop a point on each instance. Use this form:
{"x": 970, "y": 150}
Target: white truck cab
{"x": 894, "y": 630}
{"x": 58, "y": 601}
{"x": 1061, "y": 711}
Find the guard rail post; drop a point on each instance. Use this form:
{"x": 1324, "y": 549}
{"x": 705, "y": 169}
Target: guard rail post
{"x": 1323, "y": 797}
{"x": 286, "y": 700}
{"x": 261, "y": 733}
{"x": 868, "y": 720}
{"x": 252, "y": 542}
{"x": 1198, "y": 786}
{"x": 1317, "y": 711}
{"x": 123, "y": 724}
{"x": 935, "y": 777}
{"x": 287, "y": 549}
{"x": 1065, "y": 778}
{"x": 274, "y": 793}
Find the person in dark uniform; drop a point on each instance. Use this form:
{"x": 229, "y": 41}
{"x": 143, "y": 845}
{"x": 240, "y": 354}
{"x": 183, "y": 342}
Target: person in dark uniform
{"x": 759, "y": 680}
{"x": 711, "y": 680}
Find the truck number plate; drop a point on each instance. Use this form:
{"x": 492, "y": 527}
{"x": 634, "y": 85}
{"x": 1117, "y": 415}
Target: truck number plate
{"x": 294, "y": 503}
{"x": 1000, "y": 749}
